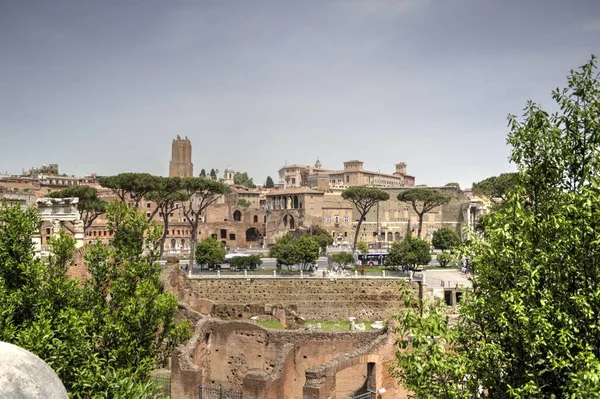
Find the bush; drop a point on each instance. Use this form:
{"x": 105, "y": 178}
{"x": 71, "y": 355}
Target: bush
{"x": 444, "y": 259}
{"x": 246, "y": 262}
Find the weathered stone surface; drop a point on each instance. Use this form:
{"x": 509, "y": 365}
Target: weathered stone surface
{"x": 23, "y": 375}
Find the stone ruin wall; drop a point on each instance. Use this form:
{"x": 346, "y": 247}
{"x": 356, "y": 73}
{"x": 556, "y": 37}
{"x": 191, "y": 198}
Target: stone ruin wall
{"x": 272, "y": 364}
{"x": 313, "y": 299}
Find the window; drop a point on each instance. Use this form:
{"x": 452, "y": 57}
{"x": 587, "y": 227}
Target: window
{"x": 148, "y": 214}
{"x": 255, "y": 218}
{"x": 312, "y": 206}
{"x": 347, "y": 179}
{"x": 293, "y": 180}
{"x": 232, "y": 236}
{"x": 345, "y": 234}
{"x": 327, "y": 220}
{"x": 223, "y": 233}
{"x": 337, "y": 219}
{"x": 147, "y": 205}
{"x": 346, "y": 219}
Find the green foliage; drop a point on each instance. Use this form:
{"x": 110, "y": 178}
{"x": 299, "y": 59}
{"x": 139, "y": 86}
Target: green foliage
{"x": 444, "y": 259}
{"x": 289, "y": 251}
{"x": 445, "y": 238}
{"x": 103, "y": 336}
{"x": 244, "y": 180}
{"x": 321, "y": 235}
{"x": 425, "y": 362}
{"x": 496, "y": 186}
{"x": 202, "y": 173}
{"x": 363, "y": 198}
{"x": 269, "y": 183}
{"x": 452, "y": 184}
{"x": 343, "y": 258}
{"x": 243, "y": 203}
{"x": 136, "y": 185}
{"x": 201, "y": 193}
{"x": 213, "y": 174}
{"x": 246, "y": 262}
{"x": 530, "y": 329}
{"x": 362, "y": 247}
{"x": 167, "y": 195}
{"x": 89, "y": 205}
{"x": 210, "y": 252}
{"x": 409, "y": 253}
{"x": 422, "y": 201}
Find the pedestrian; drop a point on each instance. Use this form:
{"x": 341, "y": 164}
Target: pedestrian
{"x": 362, "y": 270}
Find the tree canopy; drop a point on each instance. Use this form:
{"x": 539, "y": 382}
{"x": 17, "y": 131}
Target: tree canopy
{"x": 210, "y": 252}
{"x": 496, "y": 186}
{"x": 529, "y": 328}
{"x": 244, "y": 180}
{"x": 422, "y": 201}
{"x": 269, "y": 183}
{"x": 409, "y": 253}
{"x": 445, "y": 239}
{"x": 343, "y": 258}
{"x": 363, "y": 198}
{"x": 136, "y": 185}
{"x": 90, "y": 206}
{"x": 102, "y": 336}
{"x": 452, "y": 184}
{"x": 200, "y": 194}
{"x": 302, "y": 250}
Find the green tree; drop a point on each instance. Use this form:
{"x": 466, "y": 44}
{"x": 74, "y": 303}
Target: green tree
{"x": 496, "y": 186}
{"x": 408, "y": 253}
{"x": 213, "y": 174}
{"x": 202, "y": 173}
{"x": 452, "y": 184}
{"x": 307, "y": 250}
{"x": 243, "y": 180}
{"x": 422, "y": 201}
{"x": 90, "y": 206}
{"x": 321, "y": 235}
{"x": 530, "y": 329}
{"x": 444, "y": 259}
{"x": 102, "y": 336}
{"x": 290, "y": 251}
{"x": 136, "y": 185}
{"x": 167, "y": 195}
{"x": 269, "y": 183}
{"x": 445, "y": 238}
{"x": 210, "y": 252}
{"x": 246, "y": 262}
{"x": 363, "y": 198}
{"x": 284, "y": 252}
{"x": 200, "y": 194}
{"x": 343, "y": 258}
{"x": 362, "y": 247}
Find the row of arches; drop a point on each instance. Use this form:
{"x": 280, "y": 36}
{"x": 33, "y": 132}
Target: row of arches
{"x": 284, "y": 202}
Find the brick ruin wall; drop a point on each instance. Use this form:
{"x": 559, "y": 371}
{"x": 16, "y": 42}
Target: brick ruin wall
{"x": 271, "y": 364}
{"x": 313, "y": 299}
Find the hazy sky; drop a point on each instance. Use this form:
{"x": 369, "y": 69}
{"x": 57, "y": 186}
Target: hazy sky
{"x": 104, "y": 86}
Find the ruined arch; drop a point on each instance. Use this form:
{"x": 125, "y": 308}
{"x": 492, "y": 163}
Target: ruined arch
{"x": 289, "y": 222}
{"x": 397, "y": 236}
{"x": 252, "y": 234}
{"x": 237, "y": 216}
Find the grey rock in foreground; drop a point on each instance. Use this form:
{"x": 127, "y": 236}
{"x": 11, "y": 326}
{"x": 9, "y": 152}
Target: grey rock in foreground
{"x": 23, "y": 375}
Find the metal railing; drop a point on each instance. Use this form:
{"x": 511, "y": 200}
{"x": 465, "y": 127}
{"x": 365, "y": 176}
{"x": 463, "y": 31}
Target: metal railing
{"x": 219, "y": 392}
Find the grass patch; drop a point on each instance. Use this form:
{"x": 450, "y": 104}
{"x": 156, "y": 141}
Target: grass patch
{"x": 274, "y": 324}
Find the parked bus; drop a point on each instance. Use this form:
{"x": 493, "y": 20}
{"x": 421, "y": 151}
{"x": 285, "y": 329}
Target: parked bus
{"x": 372, "y": 258}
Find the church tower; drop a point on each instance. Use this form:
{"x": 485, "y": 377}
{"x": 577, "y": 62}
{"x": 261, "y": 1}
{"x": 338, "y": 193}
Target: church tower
{"x": 181, "y": 158}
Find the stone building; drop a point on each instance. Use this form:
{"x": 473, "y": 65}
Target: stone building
{"x": 393, "y": 218}
{"x": 17, "y": 193}
{"x": 353, "y": 174}
{"x": 181, "y": 158}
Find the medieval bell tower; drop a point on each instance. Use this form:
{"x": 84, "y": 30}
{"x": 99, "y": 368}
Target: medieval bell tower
{"x": 181, "y": 158}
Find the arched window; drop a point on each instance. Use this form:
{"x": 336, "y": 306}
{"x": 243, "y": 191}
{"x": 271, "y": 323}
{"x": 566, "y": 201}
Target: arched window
{"x": 255, "y": 218}
{"x": 390, "y": 236}
{"x": 237, "y": 216}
